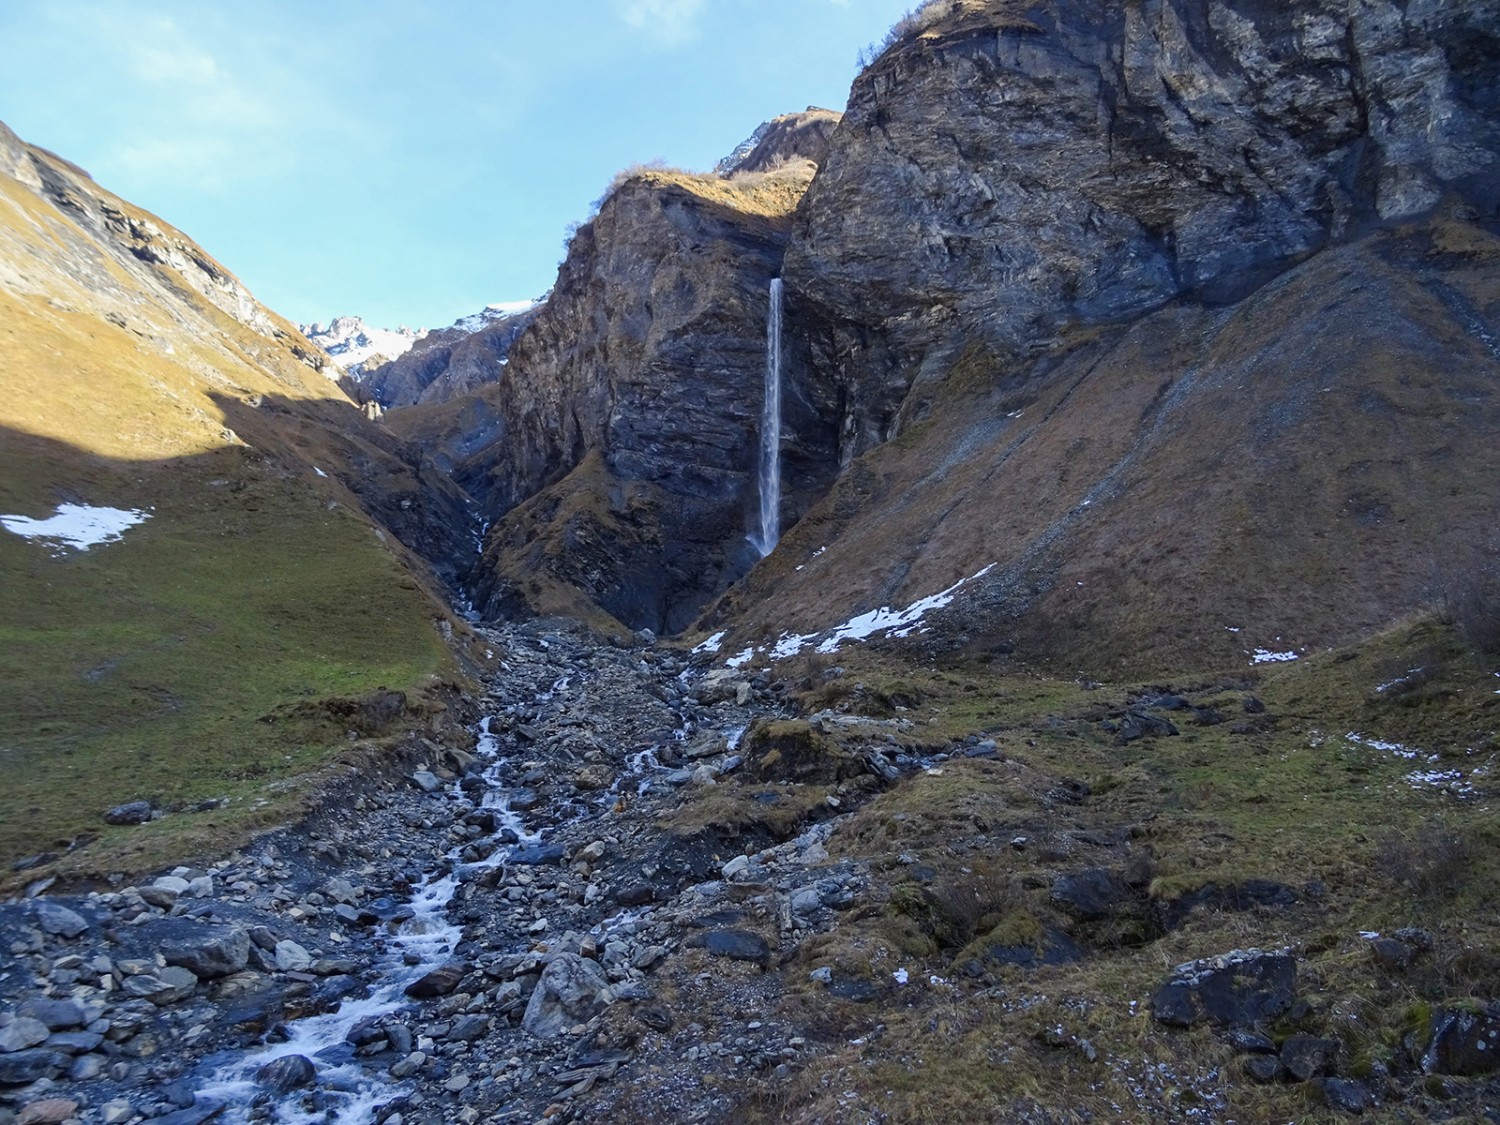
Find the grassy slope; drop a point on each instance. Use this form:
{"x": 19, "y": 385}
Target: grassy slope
{"x": 1287, "y": 796}
{"x": 140, "y": 669}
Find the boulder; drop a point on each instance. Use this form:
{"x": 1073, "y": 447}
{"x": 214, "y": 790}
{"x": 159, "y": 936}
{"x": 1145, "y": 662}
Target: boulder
{"x": 133, "y": 812}
{"x": 1307, "y": 1056}
{"x": 20, "y": 1067}
{"x": 288, "y": 1073}
{"x": 49, "y": 1111}
{"x": 440, "y": 982}
{"x": 162, "y": 987}
{"x": 1346, "y": 1095}
{"x": 217, "y": 952}
{"x": 292, "y": 957}
{"x": 567, "y": 994}
{"x": 1089, "y": 895}
{"x": 21, "y": 1033}
{"x": 737, "y": 945}
{"x": 1241, "y": 988}
{"x": 1463, "y": 1043}
{"x": 58, "y": 920}
{"x": 56, "y": 1014}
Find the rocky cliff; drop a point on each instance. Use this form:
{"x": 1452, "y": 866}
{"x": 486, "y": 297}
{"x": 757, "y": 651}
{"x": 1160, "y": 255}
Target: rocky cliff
{"x": 618, "y": 454}
{"x": 1007, "y": 172}
{"x": 1160, "y": 302}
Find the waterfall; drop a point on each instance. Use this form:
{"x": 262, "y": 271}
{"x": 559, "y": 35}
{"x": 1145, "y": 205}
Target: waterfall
{"x": 770, "y": 432}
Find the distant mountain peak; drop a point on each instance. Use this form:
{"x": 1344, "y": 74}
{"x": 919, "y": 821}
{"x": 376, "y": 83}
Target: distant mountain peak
{"x": 354, "y": 344}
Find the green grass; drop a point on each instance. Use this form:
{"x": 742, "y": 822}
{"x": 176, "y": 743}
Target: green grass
{"x": 148, "y": 668}
{"x": 1284, "y": 796}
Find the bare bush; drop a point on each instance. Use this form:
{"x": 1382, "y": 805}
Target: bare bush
{"x": 1468, "y": 590}
{"x": 1431, "y": 862}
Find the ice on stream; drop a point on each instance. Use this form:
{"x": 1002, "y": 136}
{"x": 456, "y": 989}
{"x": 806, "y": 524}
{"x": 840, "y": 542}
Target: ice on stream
{"x": 76, "y": 526}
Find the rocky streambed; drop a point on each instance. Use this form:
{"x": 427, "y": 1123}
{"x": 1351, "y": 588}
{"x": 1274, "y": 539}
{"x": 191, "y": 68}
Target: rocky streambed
{"x": 475, "y": 939}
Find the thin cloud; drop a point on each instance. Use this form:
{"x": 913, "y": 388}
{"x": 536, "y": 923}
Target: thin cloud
{"x": 669, "y": 22}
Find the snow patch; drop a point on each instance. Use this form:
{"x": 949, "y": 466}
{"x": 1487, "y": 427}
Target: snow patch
{"x": 353, "y": 343}
{"x": 1265, "y": 656}
{"x": 898, "y": 622}
{"x": 712, "y": 644}
{"x": 77, "y": 526}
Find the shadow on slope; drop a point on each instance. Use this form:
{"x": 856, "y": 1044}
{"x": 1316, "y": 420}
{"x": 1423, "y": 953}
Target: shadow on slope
{"x": 167, "y": 666}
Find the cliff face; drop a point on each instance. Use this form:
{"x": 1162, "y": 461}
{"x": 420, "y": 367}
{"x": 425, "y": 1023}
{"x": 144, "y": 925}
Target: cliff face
{"x": 1180, "y": 313}
{"x": 1010, "y": 171}
{"x": 649, "y": 355}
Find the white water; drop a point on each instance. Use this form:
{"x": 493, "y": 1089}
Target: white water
{"x": 770, "y": 432}
{"x": 351, "y": 1092}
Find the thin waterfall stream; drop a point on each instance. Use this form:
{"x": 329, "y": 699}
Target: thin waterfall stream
{"x": 770, "y": 432}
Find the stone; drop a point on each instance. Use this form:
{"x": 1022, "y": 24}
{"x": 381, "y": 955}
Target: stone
{"x": 20, "y": 1067}
{"x": 21, "y": 1033}
{"x": 1089, "y": 895}
{"x": 468, "y": 1028}
{"x": 203, "y": 1110}
{"x": 1264, "y": 1068}
{"x": 1307, "y": 1056}
{"x": 738, "y": 945}
{"x": 439, "y": 982}
{"x": 635, "y": 894}
{"x": 116, "y": 1112}
{"x": 159, "y": 897}
{"x": 567, "y": 994}
{"x": 1237, "y": 989}
{"x": 1346, "y": 1095}
{"x": 216, "y": 952}
{"x": 49, "y": 1111}
{"x": 288, "y": 1073}
{"x": 736, "y": 867}
{"x": 162, "y": 987}
{"x": 426, "y": 781}
{"x": 133, "y": 812}
{"x": 292, "y": 957}
{"x": 74, "y": 1042}
{"x": 537, "y": 855}
{"x": 172, "y": 884}
{"x": 406, "y": 1067}
{"x": 1463, "y": 1043}
{"x": 56, "y": 919}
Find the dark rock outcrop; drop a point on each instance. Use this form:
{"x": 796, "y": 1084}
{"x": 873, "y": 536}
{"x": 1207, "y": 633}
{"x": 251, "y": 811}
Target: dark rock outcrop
{"x": 1012, "y": 172}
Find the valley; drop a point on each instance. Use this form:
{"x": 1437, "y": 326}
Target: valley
{"x": 985, "y": 606}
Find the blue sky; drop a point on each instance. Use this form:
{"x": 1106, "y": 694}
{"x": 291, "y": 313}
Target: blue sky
{"x": 407, "y": 160}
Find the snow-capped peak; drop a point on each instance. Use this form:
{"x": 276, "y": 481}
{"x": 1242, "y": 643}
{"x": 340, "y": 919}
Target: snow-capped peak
{"x": 491, "y": 313}
{"x": 353, "y": 343}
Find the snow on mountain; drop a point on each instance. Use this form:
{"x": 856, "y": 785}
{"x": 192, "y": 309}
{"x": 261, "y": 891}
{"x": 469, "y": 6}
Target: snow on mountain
{"x": 359, "y": 347}
{"x": 353, "y": 343}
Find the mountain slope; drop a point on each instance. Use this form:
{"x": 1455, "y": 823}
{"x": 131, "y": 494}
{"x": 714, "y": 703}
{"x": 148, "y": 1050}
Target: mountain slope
{"x": 139, "y": 374}
{"x": 1181, "y": 315}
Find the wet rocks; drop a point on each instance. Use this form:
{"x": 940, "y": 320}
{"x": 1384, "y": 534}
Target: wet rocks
{"x": 290, "y": 1072}
{"x": 1244, "y": 987}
